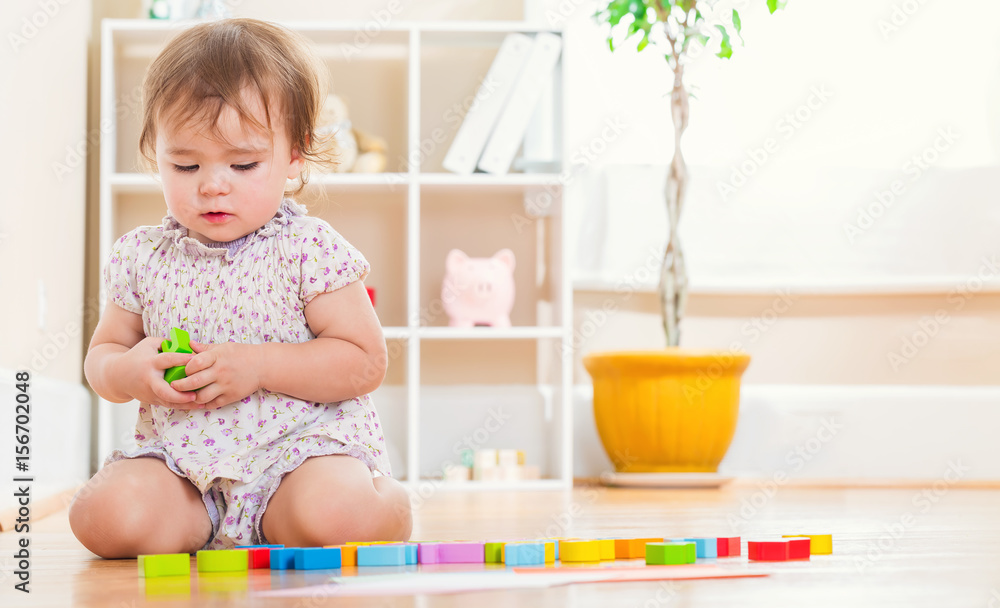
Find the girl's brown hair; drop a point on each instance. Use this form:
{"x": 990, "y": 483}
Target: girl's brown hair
{"x": 210, "y": 66}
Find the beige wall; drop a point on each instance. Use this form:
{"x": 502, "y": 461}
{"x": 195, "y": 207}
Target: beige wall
{"x": 43, "y": 102}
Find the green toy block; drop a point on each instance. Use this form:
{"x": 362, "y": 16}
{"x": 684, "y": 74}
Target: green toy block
{"x": 170, "y": 564}
{"x": 179, "y": 342}
{"x": 669, "y": 554}
{"x": 232, "y": 560}
{"x": 494, "y": 552}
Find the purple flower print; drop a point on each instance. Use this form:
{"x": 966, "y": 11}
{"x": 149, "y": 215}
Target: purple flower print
{"x": 227, "y": 432}
{"x": 209, "y": 441}
{"x": 230, "y": 520}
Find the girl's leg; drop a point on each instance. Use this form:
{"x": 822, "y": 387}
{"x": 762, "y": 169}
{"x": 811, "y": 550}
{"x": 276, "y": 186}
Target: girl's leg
{"x": 139, "y": 506}
{"x": 330, "y": 500}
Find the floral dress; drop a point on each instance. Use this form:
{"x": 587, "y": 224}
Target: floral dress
{"x": 251, "y": 291}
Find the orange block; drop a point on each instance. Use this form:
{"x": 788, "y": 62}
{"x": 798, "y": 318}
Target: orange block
{"x": 348, "y": 554}
{"x": 633, "y": 548}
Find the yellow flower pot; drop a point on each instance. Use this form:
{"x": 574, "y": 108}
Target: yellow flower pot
{"x": 673, "y": 410}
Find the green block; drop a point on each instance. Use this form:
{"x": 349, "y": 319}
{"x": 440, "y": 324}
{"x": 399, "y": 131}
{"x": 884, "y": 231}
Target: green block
{"x": 170, "y": 564}
{"x": 494, "y": 553}
{"x": 669, "y": 554}
{"x": 179, "y": 342}
{"x": 232, "y": 560}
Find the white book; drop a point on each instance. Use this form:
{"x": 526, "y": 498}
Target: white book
{"x": 513, "y": 121}
{"x": 482, "y": 115}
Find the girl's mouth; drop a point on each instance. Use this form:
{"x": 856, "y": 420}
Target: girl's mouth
{"x": 215, "y": 216}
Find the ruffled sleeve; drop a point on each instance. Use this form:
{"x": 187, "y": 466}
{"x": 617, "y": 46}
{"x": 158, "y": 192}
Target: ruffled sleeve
{"x": 328, "y": 262}
{"x": 120, "y": 274}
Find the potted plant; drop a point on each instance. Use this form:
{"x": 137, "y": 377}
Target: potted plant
{"x": 673, "y": 410}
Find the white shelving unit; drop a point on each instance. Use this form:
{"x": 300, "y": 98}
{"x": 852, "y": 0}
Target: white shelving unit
{"x": 406, "y": 82}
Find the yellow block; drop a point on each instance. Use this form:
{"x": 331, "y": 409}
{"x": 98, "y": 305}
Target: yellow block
{"x": 550, "y": 551}
{"x": 579, "y": 551}
{"x": 819, "y": 544}
{"x": 607, "y": 547}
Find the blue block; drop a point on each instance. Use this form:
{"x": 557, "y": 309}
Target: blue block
{"x": 524, "y": 554}
{"x": 705, "y": 547}
{"x": 381, "y": 555}
{"x": 411, "y": 553}
{"x": 317, "y": 558}
{"x": 282, "y": 559}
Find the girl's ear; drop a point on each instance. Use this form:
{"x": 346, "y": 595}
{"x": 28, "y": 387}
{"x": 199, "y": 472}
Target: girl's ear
{"x": 296, "y": 164}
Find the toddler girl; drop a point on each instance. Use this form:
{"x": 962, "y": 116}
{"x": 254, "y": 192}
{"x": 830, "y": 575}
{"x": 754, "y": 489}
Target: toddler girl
{"x": 271, "y": 437}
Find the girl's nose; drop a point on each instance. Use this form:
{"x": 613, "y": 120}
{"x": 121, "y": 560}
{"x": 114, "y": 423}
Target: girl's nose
{"x": 215, "y": 183}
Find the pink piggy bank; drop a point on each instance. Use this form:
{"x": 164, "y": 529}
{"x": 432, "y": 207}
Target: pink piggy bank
{"x": 478, "y": 291}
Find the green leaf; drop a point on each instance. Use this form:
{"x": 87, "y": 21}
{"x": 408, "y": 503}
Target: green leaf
{"x": 772, "y": 5}
{"x": 736, "y": 22}
{"x": 726, "y": 48}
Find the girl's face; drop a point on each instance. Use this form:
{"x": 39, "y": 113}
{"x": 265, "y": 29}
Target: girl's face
{"x": 223, "y": 190}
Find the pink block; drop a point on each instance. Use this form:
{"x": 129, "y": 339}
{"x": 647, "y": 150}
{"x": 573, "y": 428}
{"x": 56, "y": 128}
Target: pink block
{"x": 462, "y": 553}
{"x": 428, "y": 553}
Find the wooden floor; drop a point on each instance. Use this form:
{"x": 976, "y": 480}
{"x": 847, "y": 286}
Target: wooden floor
{"x": 918, "y": 546}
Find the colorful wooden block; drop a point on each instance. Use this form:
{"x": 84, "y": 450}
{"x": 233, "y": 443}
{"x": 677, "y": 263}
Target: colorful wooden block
{"x": 705, "y": 547}
{"x": 348, "y": 555}
{"x": 179, "y": 342}
{"x": 462, "y": 553}
{"x": 550, "y": 551}
{"x": 283, "y": 559}
{"x": 727, "y": 546}
{"x": 670, "y": 553}
{"x": 524, "y": 554}
{"x": 767, "y": 551}
{"x": 260, "y": 557}
{"x": 317, "y": 558}
{"x": 633, "y": 548}
{"x": 227, "y": 560}
{"x": 798, "y": 547}
{"x": 821, "y": 544}
{"x": 607, "y": 548}
{"x": 493, "y": 552}
{"x": 168, "y": 564}
{"x": 410, "y": 551}
{"x": 381, "y": 555}
{"x": 428, "y": 553}
{"x": 579, "y": 551}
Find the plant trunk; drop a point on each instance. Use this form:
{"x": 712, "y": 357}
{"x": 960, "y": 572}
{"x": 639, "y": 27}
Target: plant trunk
{"x": 673, "y": 273}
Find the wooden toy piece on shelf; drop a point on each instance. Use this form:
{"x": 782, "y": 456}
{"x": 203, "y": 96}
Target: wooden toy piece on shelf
{"x": 260, "y": 555}
{"x": 633, "y": 548}
{"x": 821, "y": 544}
{"x": 348, "y": 554}
{"x": 168, "y": 564}
{"x": 579, "y": 551}
{"x": 798, "y": 547}
{"x": 231, "y": 560}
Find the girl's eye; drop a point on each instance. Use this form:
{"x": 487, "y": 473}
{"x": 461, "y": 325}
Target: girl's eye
{"x": 186, "y": 169}
{"x": 247, "y": 167}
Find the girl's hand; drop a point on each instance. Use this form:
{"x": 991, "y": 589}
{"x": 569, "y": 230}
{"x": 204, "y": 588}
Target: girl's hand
{"x": 220, "y": 374}
{"x": 140, "y": 371}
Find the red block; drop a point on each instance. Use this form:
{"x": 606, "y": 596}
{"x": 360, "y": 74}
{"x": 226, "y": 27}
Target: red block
{"x": 799, "y": 548}
{"x": 768, "y": 551}
{"x": 728, "y": 547}
{"x": 260, "y": 557}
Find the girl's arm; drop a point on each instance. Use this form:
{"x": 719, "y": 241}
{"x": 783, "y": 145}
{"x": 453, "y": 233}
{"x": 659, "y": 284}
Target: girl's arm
{"x": 347, "y": 359}
{"x": 123, "y": 364}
